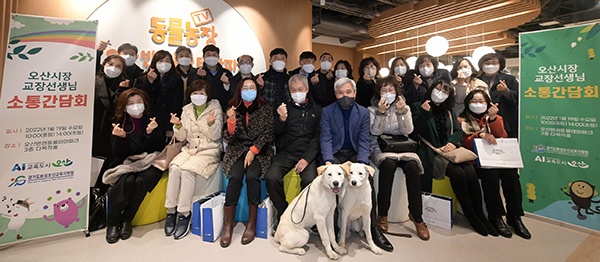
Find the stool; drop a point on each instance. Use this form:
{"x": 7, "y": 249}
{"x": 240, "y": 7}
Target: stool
{"x": 291, "y": 185}
{"x": 153, "y": 208}
{"x": 242, "y": 209}
{"x": 442, "y": 187}
{"x": 398, "y": 211}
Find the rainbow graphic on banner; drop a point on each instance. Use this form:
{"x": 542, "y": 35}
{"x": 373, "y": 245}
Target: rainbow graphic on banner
{"x": 75, "y": 37}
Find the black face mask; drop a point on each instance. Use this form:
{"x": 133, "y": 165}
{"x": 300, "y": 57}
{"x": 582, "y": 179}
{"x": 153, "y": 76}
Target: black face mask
{"x": 345, "y": 102}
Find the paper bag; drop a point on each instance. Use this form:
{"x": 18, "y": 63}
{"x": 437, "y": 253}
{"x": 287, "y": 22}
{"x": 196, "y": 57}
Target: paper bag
{"x": 437, "y": 210}
{"x": 212, "y": 218}
{"x": 504, "y": 154}
{"x": 197, "y": 213}
{"x": 264, "y": 220}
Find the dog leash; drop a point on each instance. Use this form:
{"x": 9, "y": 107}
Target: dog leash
{"x": 398, "y": 234}
{"x": 307, "y": 189}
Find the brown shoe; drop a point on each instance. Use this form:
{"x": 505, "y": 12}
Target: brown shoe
{"x": 382, "y": 223}
{"x": 250, "y": 231}
{"x": 421, "y": 229}
{"x": 228, "y": 223}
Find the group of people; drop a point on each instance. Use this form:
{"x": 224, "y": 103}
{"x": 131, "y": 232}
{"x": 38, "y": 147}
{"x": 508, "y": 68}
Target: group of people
{"x": 263, "y": 126}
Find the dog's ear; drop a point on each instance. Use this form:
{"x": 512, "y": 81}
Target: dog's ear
{"x": 370, "y": 169}
{"x": 321, "y": 169}
{"x": 346, "y": 167}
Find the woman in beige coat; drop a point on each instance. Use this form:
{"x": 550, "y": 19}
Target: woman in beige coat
{"x": 200, "y": 125}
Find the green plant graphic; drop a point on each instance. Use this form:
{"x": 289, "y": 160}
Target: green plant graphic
{"x": 19, "y": 51}
{"x": 527, "y": 50}
{"x": 81, "y": 57}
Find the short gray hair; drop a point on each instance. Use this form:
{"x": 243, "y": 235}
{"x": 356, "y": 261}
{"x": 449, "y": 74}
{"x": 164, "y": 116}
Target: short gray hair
{"x": 342, "y": 81}
{"x": 298, "y": 78}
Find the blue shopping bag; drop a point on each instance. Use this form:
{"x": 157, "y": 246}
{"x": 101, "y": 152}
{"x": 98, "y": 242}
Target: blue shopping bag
{"x": 242, "y": 209}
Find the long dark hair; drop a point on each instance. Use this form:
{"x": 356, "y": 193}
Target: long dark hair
{"x": 449, "y": 103}
{"x": 237, "y": 97}
{"x": 364, "y": 63}
{"x": 158, "y": 56}
{"x": 393, "y": 67}
{"x": 454, "y": 71}
{"x": 467, "y": 113}
{"x": 123, "y": 99}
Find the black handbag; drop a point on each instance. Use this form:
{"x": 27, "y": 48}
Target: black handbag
{"x": 397, "y": 144}
{"x": 98, "y": 209}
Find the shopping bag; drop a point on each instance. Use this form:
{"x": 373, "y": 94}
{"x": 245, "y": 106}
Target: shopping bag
{"x": 197, "y": 214}
{"x": 437, "y": 210}
{"x": 264, "y": 219}
{"x": 98, "y": 209}
{"x": 242, "y": 209}
{"x": 163, "y": 159}
{"x": 212, "y": 218}
{"x": 504, "y": 154}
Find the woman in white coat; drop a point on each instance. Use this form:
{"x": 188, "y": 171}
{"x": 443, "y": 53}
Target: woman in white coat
{"x": 200, "y": 125}
{"x": 391, "y": 116}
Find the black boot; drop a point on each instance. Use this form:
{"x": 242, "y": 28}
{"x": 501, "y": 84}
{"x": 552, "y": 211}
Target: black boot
{"x": 112, "y": 234}
{"x": 380, "y": 240}
{"x": 126, "y": 230}
{"x": 519, "y": 227}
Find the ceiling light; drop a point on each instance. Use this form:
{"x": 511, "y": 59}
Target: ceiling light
{"x": 549, "y": 23}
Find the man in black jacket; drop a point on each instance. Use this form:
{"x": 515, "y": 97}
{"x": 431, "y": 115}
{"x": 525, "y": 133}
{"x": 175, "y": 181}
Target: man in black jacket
{"x": 297, "y": 127}
{"x": 217, "y": 76}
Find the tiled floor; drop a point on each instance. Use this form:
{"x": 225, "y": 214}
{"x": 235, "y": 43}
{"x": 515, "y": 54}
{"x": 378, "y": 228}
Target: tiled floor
{"x": 551, "y": 242}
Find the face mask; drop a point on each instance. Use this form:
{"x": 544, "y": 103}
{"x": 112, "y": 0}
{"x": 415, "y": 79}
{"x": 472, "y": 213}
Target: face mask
{"x": 400, "y": 70}
{"x": 278, "y": 65}
{"x": 345, "y": 102}
{"x": 163, "y": 67}
{"x": 426, "y": 71}
{"x": 112, "y": 71}
{"x": 491, "y": 69}
{"x": 184, "y": 61}
{"x": 326, "y": 65}
{"x": 299, "y": 97}
{"x": 198, "y": 100}
{"x": 466, "y": 72}
{"x": 248, "y": 95}
{"x": 129, "y": 59}
{"x": 308, "y": 68}
{"x": 341, "y": 73}
{"x": 211, "y": 61}
{"x": 437, "y": 96}
{"x": 135, "y": 110}
{"x": 389, "y": 98}
{"x": 478, "y": 108}
{"x": 372, "y": 72}
{"x": 245, "y": 69}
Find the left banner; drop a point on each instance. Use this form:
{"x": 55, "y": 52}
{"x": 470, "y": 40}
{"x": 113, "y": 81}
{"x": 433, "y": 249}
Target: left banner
{"x": 46, "y": 106}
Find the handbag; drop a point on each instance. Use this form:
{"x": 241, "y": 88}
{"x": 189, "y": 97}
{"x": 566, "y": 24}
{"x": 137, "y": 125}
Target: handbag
{"x": 437, "y": 210}
{"x": 98, "y": 209}
{"x": 396, "y": 144}
{"x": 456, "y": 156}
{"x": 164, "y": 158}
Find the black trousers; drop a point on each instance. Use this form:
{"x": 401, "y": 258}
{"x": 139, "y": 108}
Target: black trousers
{"x": 281, "y": 164}
{"x": 350, "y": 155}
{"x": 511, "y": 187}
{"x": 466, "y": 188}
{"x": 126, "y": 196}
{"x": 387, "y": 169}
{"x": 234, "y": 187}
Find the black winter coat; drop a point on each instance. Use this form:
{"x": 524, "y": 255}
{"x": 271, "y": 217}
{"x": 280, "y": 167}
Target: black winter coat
{"x": 299, "y": 134}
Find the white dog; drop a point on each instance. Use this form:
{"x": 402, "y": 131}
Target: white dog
{"x": 355, "y": 202}
{"x": 314, "y": 205}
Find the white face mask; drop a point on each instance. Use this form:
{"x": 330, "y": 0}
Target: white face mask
{"x": 426, "y": 71}
{"x": 308, "y": 68}
{"x": 112, "y": 71}
{"x": 163, "y": 67}
{"x": 135, "y": 110}
{"x": 326, "y": 65}
{"x": 466, "y": 72}
{"x": 246, "y": 69}
{"x": 400, "y": 70}
{"x": 372, "y": 72}
{"x": 299, "y": 97}
{"x": 211, "y": 61}
{"x": 198, "y": 100}
{"x": 278, "y": 65}
{"x": 129, "y": 59}
{"x": 341, "y": 73}
{"x": 184, "y": 61}
{"x": 491, "y": 69}
{"x": 389, "y": 98}
{"x": 478, "y": 108}
{"x": 438, "y": 96}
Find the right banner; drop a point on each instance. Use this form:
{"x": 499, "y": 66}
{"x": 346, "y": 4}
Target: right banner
{"x": 560, "y": 112}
